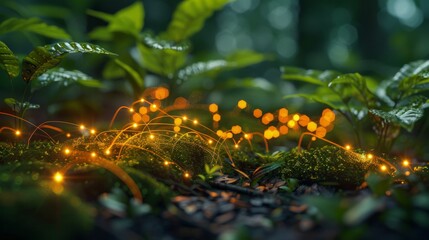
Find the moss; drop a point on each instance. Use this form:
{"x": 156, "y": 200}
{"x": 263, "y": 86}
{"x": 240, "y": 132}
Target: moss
{"x": 328, "y": 164}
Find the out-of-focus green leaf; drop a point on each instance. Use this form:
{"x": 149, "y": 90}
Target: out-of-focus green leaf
{"x": 64, "y": 77}
{"x": 128, "y": 20}
{"x": 44, "y": 58}
{"x": 378, "y": 184}
{"x": 17, "y": 106}
{"x": 315, "y": 77}
{"x": 332, "y": 101}
{"x": 362, "y": 210}
{"x": 411, "y": 69}
{"x": 189, "y": 17}
{"x": 135, "y": 79}
{"x": 8, "y": 61}
{"x": 331, "y": 208}
{"x": 34, "y": 25}
{"x": 238, "y": 59}
{"x": 161, "y": 56}
{"x": 404, "y": 116}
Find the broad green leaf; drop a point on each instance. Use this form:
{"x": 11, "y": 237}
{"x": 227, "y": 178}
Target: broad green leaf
{"x": 44, "y": 58}
{"x": 8, "y": 61}
{"x": 315, "y": 77}
{"x": 238, "y": 59}
{"x": 18, "y": 106}
{"x": 128, "y": 20}
{"x": 331, "y": 208}
{"x": 404, "y": 116}
{"x": 353, "y": 85}
{"x": 190, "y": 16}
{"x": 161, "y": 56}
{"x": 34, "y": 25}
{"x": 136, "y": 80}
{"x": 332, "y": 101}
{"x": 411, "y": 69}
{"x": 378, "y": 184}
{"x": 64, "y": 77}
{"x": 362, "y": 210}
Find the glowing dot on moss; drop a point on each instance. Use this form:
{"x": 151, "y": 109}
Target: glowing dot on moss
{"x": 93, "y": 154}
{"x": 242, "y": 104}
{"x": 166, "y": 163}
{"x": 383, "y": 168}
{"x": 348, "y": 147}
{"x": 370, "y": 156}
{"x": 58, "y": 177}
{"x": 67, "y": 151}
{"x": 92, "y": 131}
{"x": 135, "y": 125}
{"x": 107, "y": 152}
{"x": 213, "y": 108}
{"x": 405, "y": 163}
{"x": 151, "y": 136}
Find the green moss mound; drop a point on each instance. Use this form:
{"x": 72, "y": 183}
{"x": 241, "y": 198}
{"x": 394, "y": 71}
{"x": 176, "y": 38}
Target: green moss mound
{"x": 327, "y": 165}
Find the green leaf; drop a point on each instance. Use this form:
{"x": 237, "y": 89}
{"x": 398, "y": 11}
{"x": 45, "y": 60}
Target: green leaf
{"x": 65, "y": 77}
{"x": 353, "y": 85}
{"x": 331, "y": 208}
{"x": 128, "y": 20}
{"x": 238, "y": 59}
{"x": 411, "y": 69}
{"x": 44, "y": 58}
{"x": 161, "y": 56}
{"x": 265, "y": 169}
{"x": 34, "y": 25}
{"x": 8, "y": 61}
{"x": 333, "y": 101}
{"x": 135, "y": 79}
{"x": 378, "y": 184}
{"x": 189, "y": 17}
{"x": 311, "y": 76}
{"x": 404, "y": 116}
{"x": 362, "y": 210}
{"x": 17, "y": 106}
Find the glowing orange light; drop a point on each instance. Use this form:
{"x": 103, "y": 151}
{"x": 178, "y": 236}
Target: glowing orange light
{"x": 405, "y": 163}
{"x": 407, "y": 173}
{"x": 210, "y": 141}
{"x": 67, "y": 151}
{"x": 370, "y": 156}
{"x": 268, "y": 134}
{"x": 246, "y": 136}
{"x": 195, "y": 121}
{"x": 166, "y": 163}
{"x": 176, "y": 129}
{"x": 161, "y": 93}
{"x": 303, "y": 120}
{"x": 348, "y": 147}
{"x": 311, "y": 126}
{"x": 325, "y": 121}
{"x": 107, "y": 152}
{"x": 236, "y": 129}
{"x": 185, "y": 118}
{"x": 283, "y": 112}
{"x": 143, "y": 110}
{"x": 131, "y": 110}
{"x": 18, "y": 133}
{"x": 242, "y": 104}
{"x": 284, "y": 130}
{"x": 313, "y": 139}
{"x": 229, "y": 135}
{"x": 296, "y": 117}
{"x": 383, "y": 168}
{"x": 92, "y": 131}
{"x": 93, "y": 154}
{"x": 213, "y": 108}
{"x": 142, "y": 100}
{"x": 68, "y": 135}
{"x": 137, "y": 117}
{"x": 291, "y": 123}
{"x": 187, "y": 175}
{"x": 135, "y": 125}
{"x": 216, "y": 117}
{"x": 236, "y": 145}
{"x": 321, "y": 132}
{"x": 82, "y": 127}
{"x": 153, "y": 108}
{"x": 58, "y": 177}
{"x": 257, "y": 113}
{"x": 177, "y": 121}
{"x": 267, "y": 118}
{"x": 151, "y": 136}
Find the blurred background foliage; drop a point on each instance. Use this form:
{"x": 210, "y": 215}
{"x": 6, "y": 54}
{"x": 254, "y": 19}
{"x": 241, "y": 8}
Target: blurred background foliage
{"x": 370, "y": 37}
